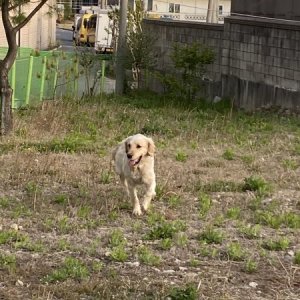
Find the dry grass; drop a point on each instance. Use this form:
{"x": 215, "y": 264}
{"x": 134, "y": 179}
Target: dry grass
{"x": 61, "y": 205}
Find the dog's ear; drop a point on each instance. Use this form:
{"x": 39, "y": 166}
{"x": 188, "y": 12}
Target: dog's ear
{"x": 151, "y": 147}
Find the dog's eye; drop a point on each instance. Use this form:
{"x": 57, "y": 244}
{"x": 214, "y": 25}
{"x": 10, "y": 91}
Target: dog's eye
{"x": 128, "y": 145}
{"x": 138, "y": 146}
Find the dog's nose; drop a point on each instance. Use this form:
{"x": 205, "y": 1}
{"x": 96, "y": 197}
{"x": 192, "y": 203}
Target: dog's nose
{"x": 129, "y": 156}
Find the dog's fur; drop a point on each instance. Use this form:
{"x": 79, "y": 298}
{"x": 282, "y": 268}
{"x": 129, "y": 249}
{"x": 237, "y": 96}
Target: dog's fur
{"x": 134, "y": 163}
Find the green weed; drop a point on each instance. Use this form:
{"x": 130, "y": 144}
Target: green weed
{"x": 105, "y": 177}
{"x": 147, "y": 257}
{"x": 117, "y": 238}
{"x": 8, "y": 261}
{"x": 72, "y": 268}
{"x": 250, "y": 232}
{"x": 228, "y": 154}
{"x": 181, "y": 156}
{"x": 188, "y": 292}
{"x": 250, "y": 266}
{"x": 257, "y": 184}
{"x": 276, "y": 245}
{"x": 119, "y": 253}
{"x": 165, "y": 244}
{"x": 233, "y": 213}
{"x": 235, "y": 252}
{"x": 297, "y": 258}
{"x": 205, "y": 204}
{"x": 60, "y": 199}
{"x": 211, "y": 236}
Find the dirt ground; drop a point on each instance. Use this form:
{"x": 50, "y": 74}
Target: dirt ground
{"x": 224, "y": 225}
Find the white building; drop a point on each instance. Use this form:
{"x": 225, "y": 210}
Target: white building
{"x": 188, "y": 10}
{"x": 40, "y": 32}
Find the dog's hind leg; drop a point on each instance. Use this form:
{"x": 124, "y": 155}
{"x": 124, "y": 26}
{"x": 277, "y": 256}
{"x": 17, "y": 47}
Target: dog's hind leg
{"x": 135, "y": 201}
{"x": 124, "y": 182}
{"x": 149, "y": 195}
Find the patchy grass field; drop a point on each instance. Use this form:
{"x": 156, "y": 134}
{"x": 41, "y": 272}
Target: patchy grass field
{"x": 224, "y": 225}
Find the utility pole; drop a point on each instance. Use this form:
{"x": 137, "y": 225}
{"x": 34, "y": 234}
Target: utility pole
{"x": 120, "y": 69}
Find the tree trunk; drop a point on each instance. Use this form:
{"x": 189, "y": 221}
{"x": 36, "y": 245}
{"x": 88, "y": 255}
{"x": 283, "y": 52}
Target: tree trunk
{"x": 6, "y": 100}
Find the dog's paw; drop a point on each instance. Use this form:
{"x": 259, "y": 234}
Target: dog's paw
{"x": 145, "y": 206}
{"x": 137, "y": 211}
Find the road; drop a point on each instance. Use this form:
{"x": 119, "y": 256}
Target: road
{"x": 65, "y": 39}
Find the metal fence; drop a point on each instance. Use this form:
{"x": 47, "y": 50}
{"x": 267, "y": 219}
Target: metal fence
{"x": 41, "y": 75}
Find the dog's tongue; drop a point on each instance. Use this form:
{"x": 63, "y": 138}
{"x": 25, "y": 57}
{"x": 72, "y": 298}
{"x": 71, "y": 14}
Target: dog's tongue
{"x": 132, "y": 162}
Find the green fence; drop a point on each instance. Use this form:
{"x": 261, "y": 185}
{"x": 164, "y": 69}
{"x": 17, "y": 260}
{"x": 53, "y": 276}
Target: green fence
{"x": 40, "y": 75}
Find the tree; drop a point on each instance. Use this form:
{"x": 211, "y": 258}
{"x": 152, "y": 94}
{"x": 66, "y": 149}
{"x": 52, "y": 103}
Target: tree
{"x": 13, "y": 20}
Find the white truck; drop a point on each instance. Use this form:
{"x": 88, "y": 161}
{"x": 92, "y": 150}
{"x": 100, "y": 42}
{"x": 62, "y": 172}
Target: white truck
{"x": 103, "y": 33}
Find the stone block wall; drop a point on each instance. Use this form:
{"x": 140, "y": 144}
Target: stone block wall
{"x": 261, "y": 62}
{"x": 167, "y": 33}
{"x": 257, "y": 60}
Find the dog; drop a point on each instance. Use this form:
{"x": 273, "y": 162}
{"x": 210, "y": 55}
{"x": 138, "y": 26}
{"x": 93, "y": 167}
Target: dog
{"x": 133, "y": 160}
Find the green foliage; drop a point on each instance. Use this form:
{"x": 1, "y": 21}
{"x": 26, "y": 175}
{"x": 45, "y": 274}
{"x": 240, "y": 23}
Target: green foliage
{"x": 164, "y": 230}
{"x": 147, "y": 257}
{"x": 233, "y": 213}
{"x": 297, "y": 258}
{"x": 188, "y": 292}
{"x": 276, "y": 245}
{"x": 228, "y": 154}
{"x": 60, "y": 199}
{"x": 181, "y": 156}
{"x": 235, "y": 251}
{"x": 190, "y": 61}
{"x": 257, "y": 184}
{"x": 250, "y": 232}
{"x": 119, "y": 253}
{"x": 105, "y": 177}
{"x": 117, "y": 238}
{"x": 165, "y": 244}
{"x": 220, "y": 186}
{"x": 71, "y": 268}
{"x": 7, "y": 261}
{"x": 10, "y": 236}
{"x": 211, "y": 236}
{"x": 205, "y": 204}
{"x": 250, "y": 266}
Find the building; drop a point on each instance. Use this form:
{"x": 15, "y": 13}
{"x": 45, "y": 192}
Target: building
{"x": 188, "y": 10}
{"x": 39, "y": 33}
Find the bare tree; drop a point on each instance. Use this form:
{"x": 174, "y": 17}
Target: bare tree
{"x": 13, "y": 20}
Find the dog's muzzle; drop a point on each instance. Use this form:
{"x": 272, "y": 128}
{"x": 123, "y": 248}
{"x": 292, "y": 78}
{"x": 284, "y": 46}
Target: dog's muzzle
{"x": 134, "y": 162}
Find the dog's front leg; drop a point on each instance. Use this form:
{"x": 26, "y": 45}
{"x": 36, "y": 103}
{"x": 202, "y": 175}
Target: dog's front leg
{"x": 149, "y": 195}
{"x": 135, "y": 201}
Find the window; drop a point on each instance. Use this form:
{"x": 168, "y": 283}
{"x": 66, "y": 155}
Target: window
{"x": 174, "y": 8}
{"x": 177, "y": 8}
{"x": 220, "y": 9}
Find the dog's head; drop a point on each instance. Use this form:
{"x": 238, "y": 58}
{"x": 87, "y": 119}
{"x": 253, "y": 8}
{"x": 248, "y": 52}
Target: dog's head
{"x": 137, "y": 147}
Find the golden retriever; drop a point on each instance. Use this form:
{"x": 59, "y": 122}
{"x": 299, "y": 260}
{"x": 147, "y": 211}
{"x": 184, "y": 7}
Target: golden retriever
{"x": 134, "y": 163}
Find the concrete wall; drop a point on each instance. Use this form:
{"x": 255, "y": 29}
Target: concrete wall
{"x": 39, "y": 33}
{"x": 287, "y": 9}
{"x": 167, "y": 33}
{"x": 257, "y": 61}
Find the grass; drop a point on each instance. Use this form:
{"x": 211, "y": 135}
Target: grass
{"x": 279, "y": 244}
{"x": 180, "y": 293}
{"x": 71, "y": 268}
{"x": 236, "y": 252}
{"x": 147, "y": 257}
{"x": 223, "y": 206}
{"x": 211, "y": 236}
